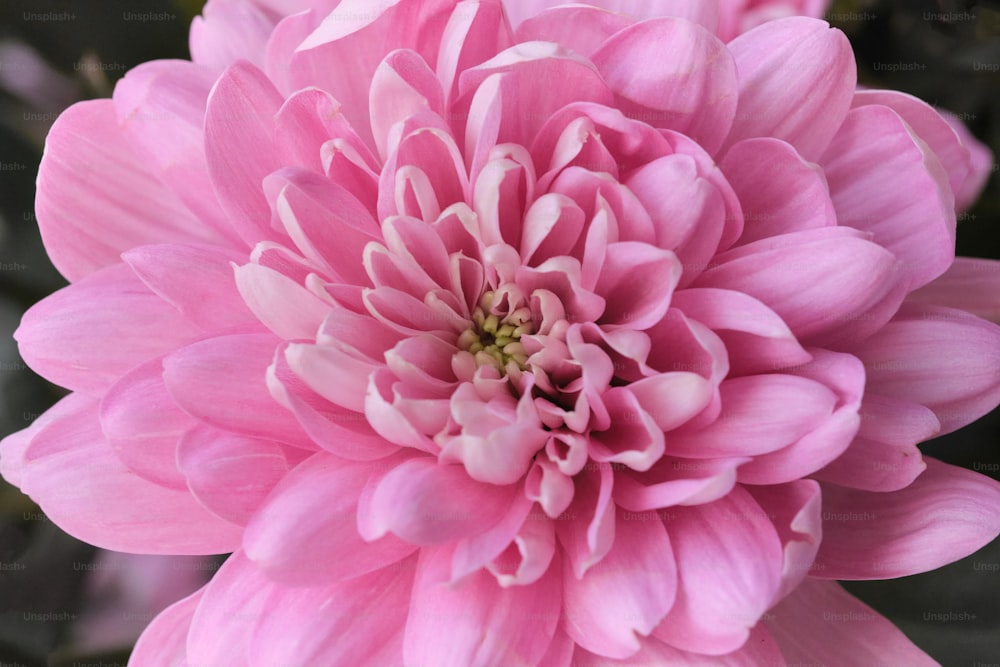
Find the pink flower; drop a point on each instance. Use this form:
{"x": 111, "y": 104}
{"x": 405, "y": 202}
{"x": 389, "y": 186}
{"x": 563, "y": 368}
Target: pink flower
{"x": 587, "y": 342}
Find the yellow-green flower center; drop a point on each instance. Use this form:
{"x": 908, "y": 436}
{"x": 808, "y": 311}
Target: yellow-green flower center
{"x": 496, "y": 339}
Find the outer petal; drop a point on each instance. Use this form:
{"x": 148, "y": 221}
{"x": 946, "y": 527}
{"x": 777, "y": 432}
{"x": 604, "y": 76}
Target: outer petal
{"x": 240, "y": 147}
{"x": 306, "y": 532}
{"x": 672, "y": 74}
{"x": 417, "y": 501}
{"x": 89, "y": 334}
{"x": 945, "y": 359}
{"x": 820, "y": 623}
{"x": 969, "y": 284}
{"x": 705, "y": 12}
{"x": 627, "y": 593}
{"x": 97, "y": 197}
{"x": 797, "y": 78}
{"x": 230, "y": 474}
{"x": 164, "y": 641}
{"x": 355, "y": 622}
{"x": 222, "y": 381}
{"x": 884, "y": 180}
{"x": 729, "y": 560}
{"x": 229, "y": 30}
{"x": 161, "y": 109}
{"x": 946, "y": 514}
{"x": 143, "y": 425}
{"x": 476, "y": 623}
{"x": 231, "y": 605}
{"x": 81, "y": 485}
{"x": 196, "y": 279}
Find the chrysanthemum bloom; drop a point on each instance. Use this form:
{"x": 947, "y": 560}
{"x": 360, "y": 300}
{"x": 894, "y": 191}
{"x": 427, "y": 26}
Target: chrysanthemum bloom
{"x": 492, "y": 333}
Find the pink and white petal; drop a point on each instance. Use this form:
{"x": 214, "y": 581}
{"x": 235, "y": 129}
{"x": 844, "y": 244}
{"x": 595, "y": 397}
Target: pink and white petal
{"x": 475, "y": 32}
{"x": 87, "y": 335}
{"x": 240, "y": 147}
{"x": 885, "y": 180}
{"x": 946, "y": 514}
{"x": 637, "y": 280}
{"x": 518, "y": 90}
{"x": 326, "y": 221}
{"x": 359, "y": 37}
{"x": 164, "y": 641}
{"x": 589, "y": 533}
{"x": 706, "y": 13}
{"x": 756, "y": 337}
{"x": 884, "y": 456}
{"x": 627, "y": 594}
{"x": 196, "y": 279}
{"x": 674, "y": 73}
{"x": 634, "y": 439}
{"x": 529, "y": 556}
{"x": 402, "y": 85}
{"x": 306, "y": 124}
{"x": 795, "y": 512}
{"x": 97, "y": 197}
{"x": 476, "y": 552}
{"x": 338, "y": 373}
{"x": 729, "y": 563}
{"x": 801, "y": 277}
{"x": 306, "y": 532}
{"x": 845, "y": 376}
{"x": 796, "y": 80}
{"x": 579, "y": 28}
{"x": 285, "y": 307}
{"x": 416, "y": 501}
{"x": 969, "y": 284}
{"x": 161, "y": 108}
{"x": 780, "y": 192}
{"x": 230, "y": 474}
{"x": 673, "y": 481}
{"x": 354, "y": 622}
{"x": 821, "y": 623}
{"x": 476, "y": 623}
{"x": 341, "y": 432}
{"x": 759, "y": 649}
{"x": 915, "y": 358}
{"x": 231, "y": 606}
{"x": 760, "y": 414}
{"x": 143, "y": 425}
{"x": 930, "y": 126}
{"x": 982, "y": 164}
{"x": 73, "y": 474}
{"x": 561, "y": 652}
{"x": 230, "y": 30}
{"x": 222, "y": 381}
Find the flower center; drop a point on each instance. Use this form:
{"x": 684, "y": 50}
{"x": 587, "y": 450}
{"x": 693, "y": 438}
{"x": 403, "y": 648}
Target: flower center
{"x": 494, "y": 338}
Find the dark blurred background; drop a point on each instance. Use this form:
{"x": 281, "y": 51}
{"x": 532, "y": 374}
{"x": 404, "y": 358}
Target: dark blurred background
{"x": 52, "y": 586}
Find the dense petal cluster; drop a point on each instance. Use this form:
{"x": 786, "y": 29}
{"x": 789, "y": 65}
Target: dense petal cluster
{"x": 511, "y": 333}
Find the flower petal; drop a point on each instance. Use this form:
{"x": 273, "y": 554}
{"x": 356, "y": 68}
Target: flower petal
{"x": 416, "y": 501}
{"x": 86, "y": 336}
{"x": 969, "y": 284}
{"x": 97, "y": 197}
{"x": 915, "y": 358}
{"x": 729, "y": 563}
{"x": 359, "y": 621}
{"x": 306, "y": 532}
{"x": 222, "y": 381}
{"x": 884, "y": 180}
{"x": 476, "y": 623}
{"x": 108, "y": 505}
{"x": 797, "y": 77}
{"x": 627, "y": 594}
{"x": 673, "y": 74}
{"x": 945, "y": 515}
{"x": 164, "y": 641}
{"x": 820, "y": 623}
